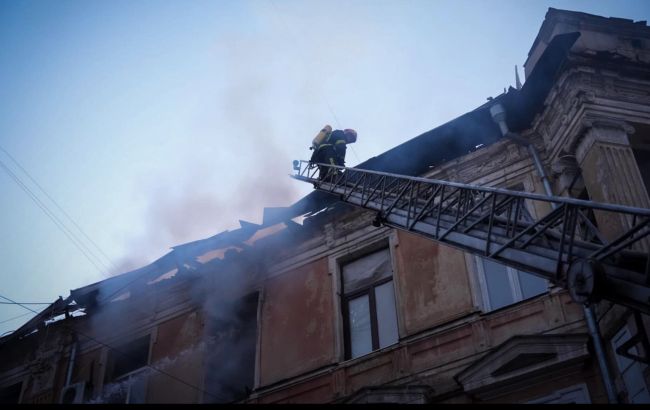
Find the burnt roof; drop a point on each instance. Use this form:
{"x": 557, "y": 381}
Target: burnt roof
{"x": 413, "y": 157}
{"x": 462, "y": 135}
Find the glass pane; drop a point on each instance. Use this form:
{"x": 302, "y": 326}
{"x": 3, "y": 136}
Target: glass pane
{"x": 360, "y": 335}
{"x": 365, "y": 270}
{"x": 386, "y": 315}
{"x": 499, "y": 290}
{"x": 531, "y": 285}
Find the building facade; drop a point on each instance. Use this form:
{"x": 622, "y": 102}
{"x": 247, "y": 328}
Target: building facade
{"x": 338, "y": 310}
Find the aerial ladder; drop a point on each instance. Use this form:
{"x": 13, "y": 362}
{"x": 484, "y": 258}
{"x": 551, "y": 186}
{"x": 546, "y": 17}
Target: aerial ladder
{"x": 563, "y": 246}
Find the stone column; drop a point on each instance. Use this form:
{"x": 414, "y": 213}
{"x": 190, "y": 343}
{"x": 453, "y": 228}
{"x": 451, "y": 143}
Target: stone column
{"x": 611, "y": 174}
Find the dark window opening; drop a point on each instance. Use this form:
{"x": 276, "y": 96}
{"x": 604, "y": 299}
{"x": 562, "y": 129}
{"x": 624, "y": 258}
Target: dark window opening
{"x": 127, "y": 381}
{"x": 231, "y": 362}
{"x": 130, "y": 357}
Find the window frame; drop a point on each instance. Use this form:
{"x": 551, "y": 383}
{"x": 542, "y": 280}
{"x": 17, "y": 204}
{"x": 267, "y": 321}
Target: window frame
{"x": 372, "y": 308}
{"x": 369, "y": 290}
{"x": 513, "y": 281}
{"x": 128, "y": 376}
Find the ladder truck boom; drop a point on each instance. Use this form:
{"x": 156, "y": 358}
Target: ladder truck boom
{"x": 563, "y": 246}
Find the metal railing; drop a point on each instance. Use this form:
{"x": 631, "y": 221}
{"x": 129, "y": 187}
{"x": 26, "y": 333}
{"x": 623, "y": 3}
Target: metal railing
{"x": 563, "y": 246}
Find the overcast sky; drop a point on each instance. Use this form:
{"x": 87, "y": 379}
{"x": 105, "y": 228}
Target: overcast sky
{"x": 155, "y": 123}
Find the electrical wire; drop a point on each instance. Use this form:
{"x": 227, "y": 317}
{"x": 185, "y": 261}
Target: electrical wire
{"x": 80, "y": 246}
{"x": 24, "y": 303}
{"x": 60, "y": 208}
{"x": 125, "y": 354}
{"x": 14, "y": 318}
{"x": 58, "y": 222}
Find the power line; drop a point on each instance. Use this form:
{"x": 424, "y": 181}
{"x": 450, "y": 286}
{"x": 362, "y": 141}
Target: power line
{"x": 57, "y": 221}
{"x": 14, "y": 318}
{"x": 125, "y": 354}
{"x": 52, "y": 217}
{"x": 24, "y": 303}
{"x": 60, "y": 208}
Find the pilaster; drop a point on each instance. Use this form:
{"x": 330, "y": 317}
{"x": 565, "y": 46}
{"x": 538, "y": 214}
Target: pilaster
{"x": 610, "y": 172}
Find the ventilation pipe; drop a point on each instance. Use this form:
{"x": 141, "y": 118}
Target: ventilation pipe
{"x": 498, "y": 114}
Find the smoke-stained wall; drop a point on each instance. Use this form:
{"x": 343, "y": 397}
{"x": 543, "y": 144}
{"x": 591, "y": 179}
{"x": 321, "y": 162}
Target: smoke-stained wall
{"x": 178, "y": 344}
{"x": 432, "y": 282}
{"x": 296, "y": 324}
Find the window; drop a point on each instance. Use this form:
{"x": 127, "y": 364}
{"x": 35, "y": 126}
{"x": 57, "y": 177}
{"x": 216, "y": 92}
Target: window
{"x": 128, "y": 380}
{"x": 502, "y": 286}
{"x": 631, "y": 371}
{"x": 230, "y": 359}
{"x": 369, "y": 304}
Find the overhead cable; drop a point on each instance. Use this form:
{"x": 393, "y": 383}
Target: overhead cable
{"x": 79, "y": 245}
{"x": 60, "y": 208}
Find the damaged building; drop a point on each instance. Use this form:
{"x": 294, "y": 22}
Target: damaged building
{"x": 330, "y": 301}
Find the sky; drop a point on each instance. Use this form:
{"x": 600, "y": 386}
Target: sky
{"x": 129, "y": 127}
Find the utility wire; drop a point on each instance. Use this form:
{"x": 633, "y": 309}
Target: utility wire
{"x": 303, "y": 55}
{"x": 24, "y": 303}
{"x": 52, "y": 217}
{"x": 60, "y": 209}
{"x": 14, "y": 318}
{"x": 60, "y": 224}
{"x": 125, "y": 354}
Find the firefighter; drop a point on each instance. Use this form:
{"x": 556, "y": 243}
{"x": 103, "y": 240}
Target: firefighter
{"x": 331, "y": 149}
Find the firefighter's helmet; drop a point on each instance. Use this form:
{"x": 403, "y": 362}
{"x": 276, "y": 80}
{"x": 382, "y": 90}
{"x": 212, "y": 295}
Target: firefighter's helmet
{"x": 350, "y": 135}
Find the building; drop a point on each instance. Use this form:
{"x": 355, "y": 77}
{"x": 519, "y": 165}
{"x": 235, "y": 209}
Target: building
{"x": 338, "y": 310}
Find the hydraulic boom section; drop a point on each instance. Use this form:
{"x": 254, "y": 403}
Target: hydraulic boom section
{"x": 564, "y": 246}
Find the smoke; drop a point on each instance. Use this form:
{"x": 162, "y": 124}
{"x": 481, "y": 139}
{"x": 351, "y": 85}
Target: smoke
{"x": 234, "y": 171}
{"x": 119, "y": 388}
{"x": 264, "y": 113}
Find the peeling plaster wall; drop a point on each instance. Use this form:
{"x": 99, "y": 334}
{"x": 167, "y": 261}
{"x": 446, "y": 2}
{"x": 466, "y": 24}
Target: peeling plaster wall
{"x": 433, "y": 282}
{"x": 296, "y": 326}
